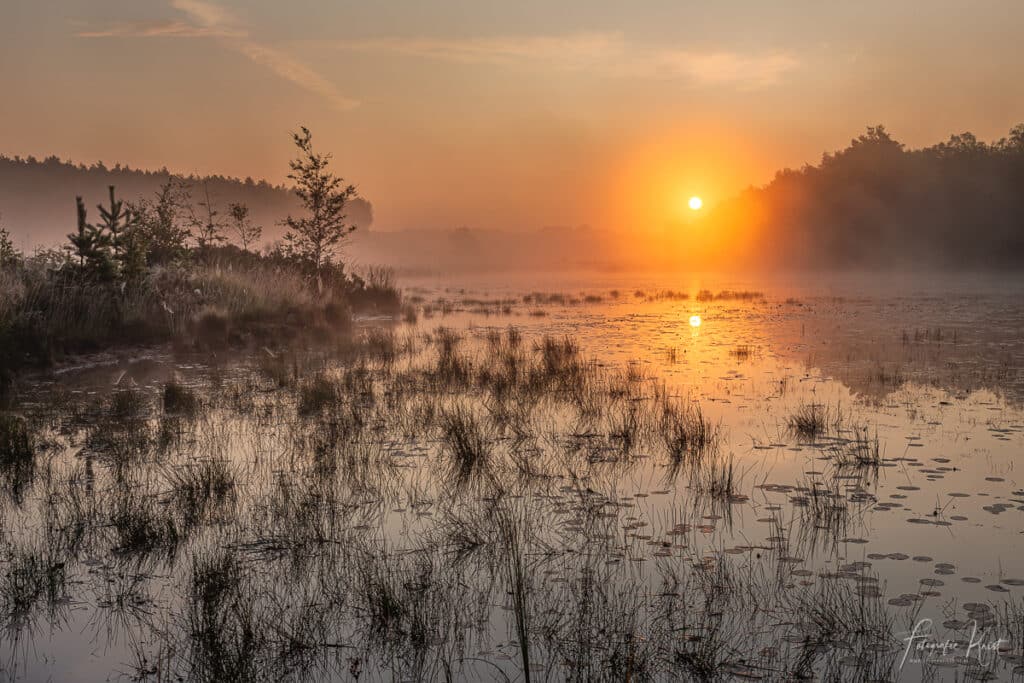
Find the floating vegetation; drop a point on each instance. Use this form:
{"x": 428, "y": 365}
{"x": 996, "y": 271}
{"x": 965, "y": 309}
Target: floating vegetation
{"x": 480, "y": 501}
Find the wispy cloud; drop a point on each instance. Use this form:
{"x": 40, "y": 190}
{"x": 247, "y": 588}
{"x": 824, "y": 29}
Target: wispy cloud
{"x": 608, "y": 53}
{"x": 724, "y": 67}
{"x": 204, "y": 13}
{"x": 291, "y": 69}
{"x": 207, "y": 20}
{"x": 576, "y": 50}
{"x": 157, "y": 29}
{"x": 601, "y": 53}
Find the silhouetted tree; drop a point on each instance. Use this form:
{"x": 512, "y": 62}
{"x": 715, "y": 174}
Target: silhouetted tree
{"x": 118, "y": 222}
{"x": 208, "y": 226}
{"x": 315, "y": 238}
{"x": 90, "y": 245}
{"x": 8, "y": 254}
{"x": 163, "y": 222}
{"x": 243, "y": 226}
{"x": 958, "y": 203}
{"x": 32, "y": 194}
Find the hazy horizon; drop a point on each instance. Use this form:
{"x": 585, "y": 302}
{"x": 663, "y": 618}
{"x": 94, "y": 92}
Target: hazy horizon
{"x": 600, "y": 115}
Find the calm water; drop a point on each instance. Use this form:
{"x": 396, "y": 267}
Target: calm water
{"x": 928, "y": 370}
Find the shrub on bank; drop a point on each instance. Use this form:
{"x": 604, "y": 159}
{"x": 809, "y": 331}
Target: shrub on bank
{"x": 49, "y": 308}
{"x": 161, "y": 268}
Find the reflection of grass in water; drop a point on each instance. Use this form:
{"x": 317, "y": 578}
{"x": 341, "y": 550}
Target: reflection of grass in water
{"x": 706, "y": 295}
{"x": 17, "y": 455}
{"x": 811, "y": 420}
{"x": 316, "y": 395}
{"x": 717, "y": 479}
{"x": 226, "y": 640}
{"x": 741, "y": 352}
{"x": 519, "y": 585}
{"x": 466, "y": 442}
{"x": 688, "y": 436}
{"x": 32, "y": 578}
{"x": 303, "y": 525}
{"x": 142, "y": 525}
{"x": 180, "y": 400}
{"x": 197, "y": 487}
{"x": 863, "y": 450}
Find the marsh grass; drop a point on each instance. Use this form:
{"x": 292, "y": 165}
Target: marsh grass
{"x": 17, "y": 455}
{"x": 741, "y": 352}
{"x": 626, "y": 426}
{"x": 32, "y": 579}
{"x": 467, "y": 443}
{"x": 200, "y": 487}
{"x": 812, "y": 420}
{"x": 226, "y": 641}
{"x": 179, "y": 399}
{"x": 822, "y": 507}
{"x": 706, "y": 295}
{"x": 127, "y": 406}
{"x": 835, "y": 618}
{"x": 452, "y": 369}
{"x": 717, "y": 479}
{"x": 280, "y": 368}
{"x": 54, "y": 311}
{"x": 15, "y": 439}
{"x": 142, "y": 525}
{"x": 511, "y": 531}
{"x": 450, "y": 506}
{"x": 560, "y": 363}
{"x": 688, "y": 436}
{"x": 317, "y": 396}
{"x": 862, "y": 450}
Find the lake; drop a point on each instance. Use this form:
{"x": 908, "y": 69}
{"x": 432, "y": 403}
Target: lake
{"x": 538, "y": 477}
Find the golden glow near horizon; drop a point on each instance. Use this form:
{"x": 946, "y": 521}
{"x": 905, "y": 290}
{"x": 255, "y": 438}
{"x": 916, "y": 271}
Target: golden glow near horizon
{"x": 695, "y": 203}
{"x": 601, "y": 115}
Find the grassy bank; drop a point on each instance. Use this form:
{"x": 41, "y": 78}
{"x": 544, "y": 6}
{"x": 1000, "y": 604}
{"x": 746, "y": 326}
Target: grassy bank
{"x": 162, "y": 268}
{"x": 216, "y": 298}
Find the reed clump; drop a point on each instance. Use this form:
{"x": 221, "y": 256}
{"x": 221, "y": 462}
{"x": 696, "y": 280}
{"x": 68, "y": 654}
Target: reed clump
{"x": 811, "y": 420}
{"x": 466, "y": 441}
{"x": 179, "y": 399}
{"x": 687, "y": 435}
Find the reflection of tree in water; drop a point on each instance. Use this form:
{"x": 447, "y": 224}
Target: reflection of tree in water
{"x": 875, "y": 347}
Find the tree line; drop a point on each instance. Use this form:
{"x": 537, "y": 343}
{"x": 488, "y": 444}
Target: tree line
{"x": 877, "y": 203}
{"x": 175, "y": 225}
{"x": 36, "y": 197}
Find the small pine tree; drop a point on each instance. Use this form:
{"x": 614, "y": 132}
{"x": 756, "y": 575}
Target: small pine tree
{"x": 118, "y": 223}
{"x": 243, "y": 227}
{"x": 133, "y": 256}
{"x": 315, "y": 238}
{"x": 90, "y": 245}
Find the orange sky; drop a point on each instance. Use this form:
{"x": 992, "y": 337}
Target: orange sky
{"x": 503, "y": 115}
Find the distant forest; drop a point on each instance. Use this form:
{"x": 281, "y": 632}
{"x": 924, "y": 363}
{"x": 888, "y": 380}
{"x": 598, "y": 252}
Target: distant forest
{"x": 958, "y": 204}
{"x": 877, "y": 203}
{"x": 37, "y": 197}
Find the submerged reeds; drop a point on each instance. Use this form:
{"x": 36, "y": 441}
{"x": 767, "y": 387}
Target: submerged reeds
{"x": 439, "y": 505}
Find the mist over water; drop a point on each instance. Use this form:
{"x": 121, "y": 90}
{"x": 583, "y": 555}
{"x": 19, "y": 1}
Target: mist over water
{"x": 901, "y": 501}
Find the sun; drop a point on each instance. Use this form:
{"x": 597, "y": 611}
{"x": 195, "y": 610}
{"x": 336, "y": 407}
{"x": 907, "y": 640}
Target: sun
{"x": 695, "y": 203}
